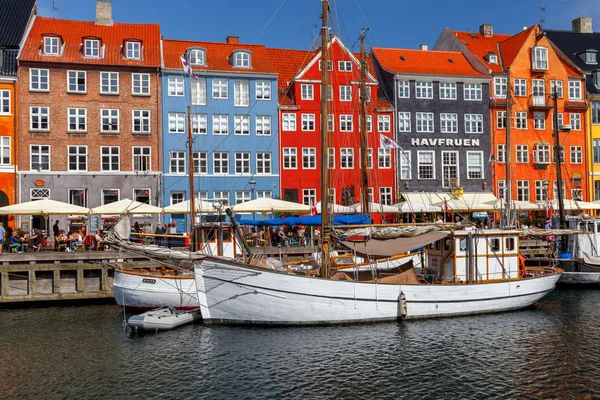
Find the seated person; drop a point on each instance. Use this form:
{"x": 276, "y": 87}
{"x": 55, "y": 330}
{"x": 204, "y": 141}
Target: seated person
{"x": 37, "y": 239}
{"x": 98, "y": 238}
{"x": 15, "y": 241}
{"x": 77, "y": 239}
{"x": 62, "y": 240}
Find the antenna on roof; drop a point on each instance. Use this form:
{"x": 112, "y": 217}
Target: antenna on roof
{"x": 543, "y": 16}
{"x": 54, "y": 9}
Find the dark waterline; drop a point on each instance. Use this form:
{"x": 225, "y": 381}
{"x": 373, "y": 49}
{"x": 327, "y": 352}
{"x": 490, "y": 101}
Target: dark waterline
{"x": 549, "y": 351}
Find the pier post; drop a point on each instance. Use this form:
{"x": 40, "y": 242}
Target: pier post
{"x": 5, "y": 282}
{"x": 32, "y": 283}
{"x": 56, "y": 281}
{"x": 80, "y": 286}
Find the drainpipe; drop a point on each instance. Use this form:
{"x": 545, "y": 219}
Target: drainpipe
{"x": 15, "y": 144}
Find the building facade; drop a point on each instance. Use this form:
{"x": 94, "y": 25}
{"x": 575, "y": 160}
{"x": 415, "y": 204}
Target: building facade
{"x": 233, "y": 117}
{"x": 89, "y": 114}
{"x": 300, "y": 119}
{"x": 526, "y": 71}
{"x": 442, "y": 117}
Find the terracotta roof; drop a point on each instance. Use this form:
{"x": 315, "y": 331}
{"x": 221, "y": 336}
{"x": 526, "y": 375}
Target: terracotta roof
{"x": 217, "y": 56}
{"x": 481, "y": 46}
{"x": 426, "y": 62}
{"x": 510, "y": 47}
{"x": 288, "y": 64}
{"x": 113, "y": 37}
{"x": 13, "y": 21}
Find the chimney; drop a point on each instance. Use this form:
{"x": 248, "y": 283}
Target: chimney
{"x": 582, "y": 25}
{"x": 424, "y": 47}
{"x": 104, "y": 12}
{"x": 233, "y": 39}
{"x": 487, "y": 30}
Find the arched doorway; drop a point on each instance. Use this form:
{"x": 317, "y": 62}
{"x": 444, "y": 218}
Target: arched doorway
{"x": 3, "y": 202}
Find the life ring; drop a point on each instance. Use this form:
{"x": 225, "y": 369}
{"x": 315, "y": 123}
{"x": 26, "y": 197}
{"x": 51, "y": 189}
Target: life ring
{"x": 11, "y": 217}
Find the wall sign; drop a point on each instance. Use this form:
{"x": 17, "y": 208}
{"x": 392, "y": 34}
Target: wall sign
{"x": 445, "y": 142}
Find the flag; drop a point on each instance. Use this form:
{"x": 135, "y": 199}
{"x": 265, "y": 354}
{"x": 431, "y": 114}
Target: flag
{"x": 313, "y": 208}
{"x": 186, "y": 68}
{"x": 447, "y": 211}
{"x": 492, "y": 159}
{"x": 387, "y": 143}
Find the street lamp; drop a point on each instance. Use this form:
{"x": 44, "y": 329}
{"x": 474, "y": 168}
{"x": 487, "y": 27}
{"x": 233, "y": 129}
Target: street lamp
{"x": 252, "y": 184}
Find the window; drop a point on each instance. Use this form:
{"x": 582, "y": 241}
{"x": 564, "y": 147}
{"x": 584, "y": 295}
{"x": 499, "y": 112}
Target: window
{"x": 449, "y": 169}
{"x": 221, "y": 196}
{"x": 77, "y": 119}
{"x": 474, "y": 165}
{"x": 109, "y": 83}
{"x": 199, "y": 124}
{"x": 447, "y": 90}
{"x": 220, "y": 88}
{"x": 538, "y": 91}
{"x": 596, "y": 151}
{"x": 500, "y": 87}
{"x": 142, "y": 195}
{"x": 330, "y": 158}
{"x": 290, "y": 158}
{"x": 241, "y": 125}
{"x": 424, "y": 122}
{"x": 384, "y": 158}
{"x": 241, "y": 59}
{"x": 329, "y": 65}
{"x": 5, "y": 150}
{"x": 523, "y": 190}
{"x": 501, "y": 154}
{"x": 472, "y": 91}
{"x": 133, "y": 50}
{"x": 140, "y": 121}
{"x": 263, "y": 163}
{"x": 576, "y": 155}
{"x": 424, "y": 90}
{"x": 77, "y": 197}
{"x": 110, "y": 159}
{"x": 288, "y": 122}
{"x": 405, "y": 165}
{"x": 539, "y": 58}
{"x": 345, "y": 66}
{"x": 369, "y": 123}
{"x": 473, "y": 123}
{"x": 492, "y": 59}
{"x": 541, "y": 153}
{"x": 308, "y": 122}
{"x": 345, "y": 93}
{"x": 263, "y": 125}
{"x": 329, "y": 93}
{"x": 590, "y": 57}
{"x": 346, "y": 123}
{"x": 383, "y": 123}
{"x": 175, "y": 86}
{"x": 347, "y": 158}
{"x": 242, "y": 196}
{"x": 198, "y": 91}
{"x": 403, "y": 89}
{"x": 575, "y": 119}
{"x": 309, "y": 196}
{"x": 595, "y": 112}
{"x": 404, "y": 122}
{"x": 307, "y": 91}
{"x": 177, "y": 197}
{"x": 369, "y": 157}
{"x": 39, "y": 157}
{"x": 77, "y": 158}
{"x": 77, "y": 81}
{"x": 39, "y": 193}
{"x": 330, "y": 123}
{"x": 39, "y": 118}
{"x": 449, "y": 123}
{"x": 39, "y": 79}
{"x": 141, "y": 158}
{"x": 520, "y": 88}
{"x": 577, "y": 194}
{"x": 501, "y": 119}
{"x": 51, "y": 46}
{"x": 539, "y": 120}
{"x": 242, "y": 163}
{"x": 561, "y": 154}
{"x": 176, "y": 123}
{"x": 522, "y": 153}
{"x": 385, "y": 196}
{"x": 141, "y": 85}
{"x": 220, "y": 124}
{"x": 241, "y": 93}
{"x": 574, "y": 89}
{"x": 264, "y": 194}
{"x": 91, "y": 48}
{"x": 560, "y": 118}
{"x": 555, "y": 189}
{"x": 541, "y": 191}
{"x": 501, "y": 189}
{"x": 200, "y": 162}
{"x": 221, "y": 162}
{"x": 521, "y": 120}
{"x": 177, "y": 165}
{"x": 557, "y": 87}
{"x": 197, "y": 57}
{"x": 263, "y": 90}
{"x": 425, "y": 165}
{"x": 309, "y": 158}
{"x": 110, "y": 196}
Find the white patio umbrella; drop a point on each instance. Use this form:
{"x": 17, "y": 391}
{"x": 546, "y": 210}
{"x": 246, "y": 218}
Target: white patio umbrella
{"x": 126, "y": 206}
{"x": 376, "y": 207}
{"x": 501, "y": 204}
{"x": 267, "y": 205}
{"x": 337, "y": 209}
{"x": 44, "y": 207}
{"x": 412, "y": 206}
{"x": 201, "y": 206}
{"x": 571, "y": 205}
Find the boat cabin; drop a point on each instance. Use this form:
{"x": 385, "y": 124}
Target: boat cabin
{"x": 217, "y": 239}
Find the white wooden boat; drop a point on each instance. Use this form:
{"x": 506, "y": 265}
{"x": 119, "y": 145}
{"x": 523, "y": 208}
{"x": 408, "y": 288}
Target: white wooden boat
{"x": 163, "y": 318}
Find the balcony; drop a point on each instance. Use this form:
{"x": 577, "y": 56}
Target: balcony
{"x": 540, "y": 102}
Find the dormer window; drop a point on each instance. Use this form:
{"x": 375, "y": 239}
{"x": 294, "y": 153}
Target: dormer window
{"x": 91, "y": 48}
{"x": 51, "y": 46}
{"x": 596, "y": 75}
{"x": 241, "y": 59}
{"x": 539, "y": 58}
{"x": 590, "y": 57}
{"x": 197, "y": 57}
{"x": 133, "y": 50}
{"x": 492, "y": 58}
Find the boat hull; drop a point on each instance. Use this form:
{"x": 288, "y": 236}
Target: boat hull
{"x": 232, "y": 293}
{"x": 163, "y": 319}
{"x": 578, "y": 272}
{"x": 146, "y": 292}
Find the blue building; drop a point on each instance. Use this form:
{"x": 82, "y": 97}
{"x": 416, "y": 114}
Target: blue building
{"x": 233, "y": 101}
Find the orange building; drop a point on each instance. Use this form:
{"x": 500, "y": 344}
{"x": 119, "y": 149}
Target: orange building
{"x": 526, "y": 69}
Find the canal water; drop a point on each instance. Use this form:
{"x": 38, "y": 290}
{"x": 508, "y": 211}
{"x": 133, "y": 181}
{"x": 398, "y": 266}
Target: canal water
{"x": 551, "y": 350}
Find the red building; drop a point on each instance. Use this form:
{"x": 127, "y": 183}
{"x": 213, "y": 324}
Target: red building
{"x": 299, "y": 126}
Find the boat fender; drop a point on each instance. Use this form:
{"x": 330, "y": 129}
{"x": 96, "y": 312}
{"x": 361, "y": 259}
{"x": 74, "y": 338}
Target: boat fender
{"x": 402, "y": 305}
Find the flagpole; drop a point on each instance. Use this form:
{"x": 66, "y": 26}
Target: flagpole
{"x": 188, "y": 70}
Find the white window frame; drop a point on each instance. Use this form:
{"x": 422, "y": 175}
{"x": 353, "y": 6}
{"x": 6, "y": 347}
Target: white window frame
{"x": 447, "y": 91}
{"x": 500, "y": 86}
{"x": 220, "y": 88}
{"x": 575, "y": 121}
{"x": 475, "y": 168}
{"x": 37, "y": 154}
{"x": 473, "y": 123}
{"x": 263, "y": 163}
{"x": 576, "y": 154}
{"x": 111, "y": 78}
{"x": 542, "y": 153}
{"x": 425, "y": 122}
{"x": 404, "y": 121}
{"x": 501, "y": 154}
{"x": 198, "y": 91}
{"x": 384, "y": 158}
{"x": 110, "y": 115}
{"x": 558, "y": 86}
{"x": 177, "y": 162}
{"x": 288, "y": 122}
{"x": 5, "y": 150}
{"x": 403, "y": 89}
{"x": 113, "y": 152}
{"x": 140, "y": 84}
{"x": 309, "y": 158}
{"x": 241, "y": 125}
{"x": 133, "y": 50}
{"x": 539, "y": 120}
{"x": 521, "y": 120}
{"x": 200, "y": 162}
{"x": 345, "y": 93}
{"x": 501, "y": 119}
{"x": 89, "y": 50}
{"x": 77, "y": 154}
{"x": 450, "y": 168}
{"x": 241, "y": 93}
{"x": 346, "y": 158}
{"x": 76, "y": 75}
{"x": 141, "y": 156}
{"x": 574, "y": 89}
{"x": 472, "y": 92}
{"x": 176, "y": 122}
{"x": 222, "y": 159}
{"x": 242, "y": 162}
{"x": 290, "y": 158}
{"x": 539, "y": 58}
{"x": 383, "y": 123}
{"x": 424, "y": 90}
{"x": 346, "y": 123}
{"x": 385, "y": 195}
{"x": 428, "y": 165}
{"x": 520, "y": 87}
{"x": 79, "y": 116}
{"x": 197, "y": 56}
{"x": 242, "y": 59}
{"x": 308, "y": 122}
{"x": 263, "y": 125}
{"x": 522, "y": 154}
{"x": 36, "y": 80}
{"x": 405, "y": 165}
{"x": 448, "y": 122}
{"x": 199, "y": 124}
{"x": 40, "y": 115}
{"x": 220, "y": 124}
{"x": 307, "y": 91}
{"x": 262, "y": 89}
{"x": 52, "y": 45}
{"x": 345, "y": 66}
{"x": 175, "y": 86}
{"x": 143, "y": 119}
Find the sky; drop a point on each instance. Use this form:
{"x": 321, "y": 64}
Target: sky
{"x": 293, "y": 24}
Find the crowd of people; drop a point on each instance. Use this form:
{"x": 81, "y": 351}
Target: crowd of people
{"x": 296, "y": 235}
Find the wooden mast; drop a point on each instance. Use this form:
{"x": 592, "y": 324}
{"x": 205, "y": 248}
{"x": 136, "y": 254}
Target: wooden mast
{"x": 364, "y": 191}
{"x": 559, "y": 188}
{"x": 508, "y": 155}
{"x": 191, "y": 176}
{"x": 325, "y": 230}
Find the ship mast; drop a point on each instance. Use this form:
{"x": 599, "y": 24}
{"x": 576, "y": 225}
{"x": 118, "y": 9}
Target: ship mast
{"x": 364, "y": 192}
{"x": 325, "y": 230}
{"x": 191, "y": 176}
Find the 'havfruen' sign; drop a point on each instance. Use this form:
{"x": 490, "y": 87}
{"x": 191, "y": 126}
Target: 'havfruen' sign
{"x": 445, "y": 142}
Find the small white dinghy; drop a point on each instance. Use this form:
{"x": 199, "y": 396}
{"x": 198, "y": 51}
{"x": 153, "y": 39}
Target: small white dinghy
{"x": 163, "y": 318}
